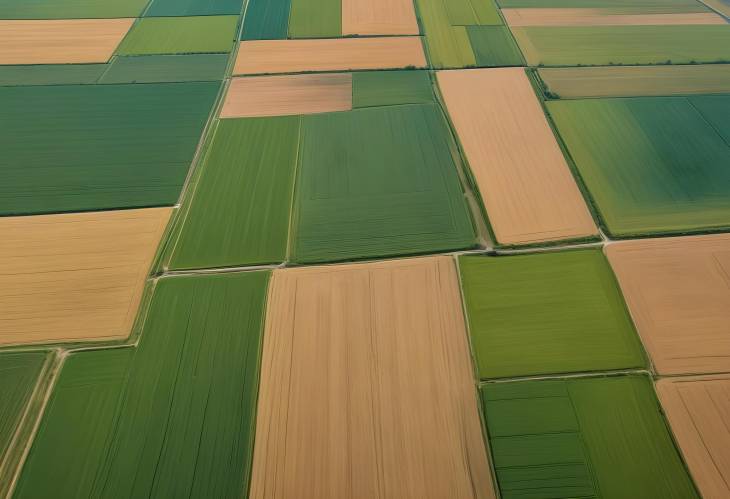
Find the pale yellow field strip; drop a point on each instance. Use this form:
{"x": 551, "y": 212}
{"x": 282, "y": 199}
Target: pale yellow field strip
{"x": 698, "y": 410}
{"x": 366, "y": 386}
{"x": 63, "y": 41}
{"x": 75, "y": 276}
{"x": 722, "y": 6}
{"x": 288, "y": 95}
{"x": 620, "y": 81}
{"x": 602, "y": 17}
{"x": 334, "y": 54}
{"x": 379, "y": 17}
{"x": 526, "y": 185}
{"x": 678, "y": 292}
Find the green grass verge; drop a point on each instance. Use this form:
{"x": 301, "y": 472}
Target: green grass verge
{"x": 385, "y": 88}
{"x": 653, "y": 165}
{"x": 239, "y": 214}
{"x": 602, "y": 437}
{"x": 547, "y": 313}
{"x": 92, "y": 147}
{"x": 180, "y": 35}
{"x": 378, "y": 182}
{"x": 173, "y": 417}
{"x": 607, "y": 45}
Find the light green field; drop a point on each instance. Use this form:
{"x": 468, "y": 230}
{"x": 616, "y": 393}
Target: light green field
{"x": 615, "y": 6}
{"x": 315, "y": 19}
{"x": 573, "y": 83}
{"x": 386, "y": 88}
{"x": 180, "y": 35}
{"x": 721, "y": 6}
{"x": 547, "y": 313}
{"x": 378, "y": 182}
{"x": 172, "y": 417}
{"x": 582, "y": 438}
{"x": 652, "y": 164}
{"x": 607, "y": 45}
{"x": 240, "y": 212}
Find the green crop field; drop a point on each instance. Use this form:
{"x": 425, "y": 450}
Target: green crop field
{"x": 628, "y": 81}
{"x": 378, "y": 182}
{"x": 315, "y": 18}
{"x": 607, "y": 45}
{"x": 602, "y": 437}
{"x": 166, "y": 68}
{"x": 51, "y": 74}
{"x": 467, "y": 33}
{"x": 90, "y": 147}
{"x": 194, "y": 7}
{"x": 240, "y": 212}
{"x": 171, "y": 418}
{"x": 266, "y": 20}
{"x": 180, "y": 35}
{"x": 652, "y": 164}
{"x": 616, "y": 6}
{"x": 547, "y": 313}
{"x": 387, "y": 88}
{"x": 70, "y": 9}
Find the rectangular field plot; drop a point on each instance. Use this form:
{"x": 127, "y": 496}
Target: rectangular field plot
{"x": 239, "y": 214}
{"x": 698, "y": 409}
{"x": 266, "y": 20}
{"x": 72, "y": 148}
{"x": 180, "y": 35}
{"x": 377, "y": 182}
{"x": 547, "y": 313}
{"x": 652, "y": 164}
{"x": 50, "y": 74}
{"x": 287, "y": 95}
{"x": 315, "y": 18}
{"x": 575, "y": 83}
{"x": 297, "y": 56}
{"x": 75, "y": 277}
{"x": 678, "y": 291}
{"x": 167, "y": 8}
{"x": 172, "y": 417}
{"x": 386, "y": 88}
{"x": 60, "y": 41}
{"x": 526, "y": 186}
{"x": 166, "y": 68}
{"x": 466, "y": 33}
{"x": 20, "y": 375}
{"x": 603, "y": 17}
{"x": 592, "y": 437}
{"x": 70, "y": 9}
{"x": 367, "y": 385}
{"x": 617, "y": 6}
{"x": 608, "y": 45}
{"x": 378, "y": 17}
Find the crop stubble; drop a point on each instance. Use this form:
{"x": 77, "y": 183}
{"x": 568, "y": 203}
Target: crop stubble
{"x": 60, "y": 41}
{"x": 526, "y": 186}
{"x": 287, "y": 95}
{"x": 379, "y": 17}
{"x": 678, "y": 291}
{"x": 698, "y": 410}
{"x": 367, "y": 387}
{"x": 75, "y": 276}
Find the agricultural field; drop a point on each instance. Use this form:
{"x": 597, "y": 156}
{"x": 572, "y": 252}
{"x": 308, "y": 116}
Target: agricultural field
{"x": 347, "y": 249}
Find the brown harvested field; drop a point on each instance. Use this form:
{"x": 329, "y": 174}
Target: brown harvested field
{"x": 367, "y": 387}
{"x": 62, "y": 41}
{"x": 602, "y": 17}
{"x": 75, "y": 276}
{"x": 698, "y": 409}
{"x": 379, "y": 17}
{"x": 332, "y": 54}
{"x": 678, "y": 292}
{"x": 288, "y": 95}
{"x": 526, "y": 185}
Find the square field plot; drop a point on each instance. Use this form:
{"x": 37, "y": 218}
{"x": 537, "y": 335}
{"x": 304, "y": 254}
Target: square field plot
{"x": 92, "y": 147}
{"x": 698, "y": 409}
{"x": 592, "y": 437}
{"x": 180, "y": 35}
{"x": 547, "y": 313}
{"x": 678, "y": 291}
{"x": 75, "y": 277}
{"x": 652, "y": 164}
{"x": 376, "y": 182}
{"x": 172, "y": 417}
{"x": 367, "y": 386}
